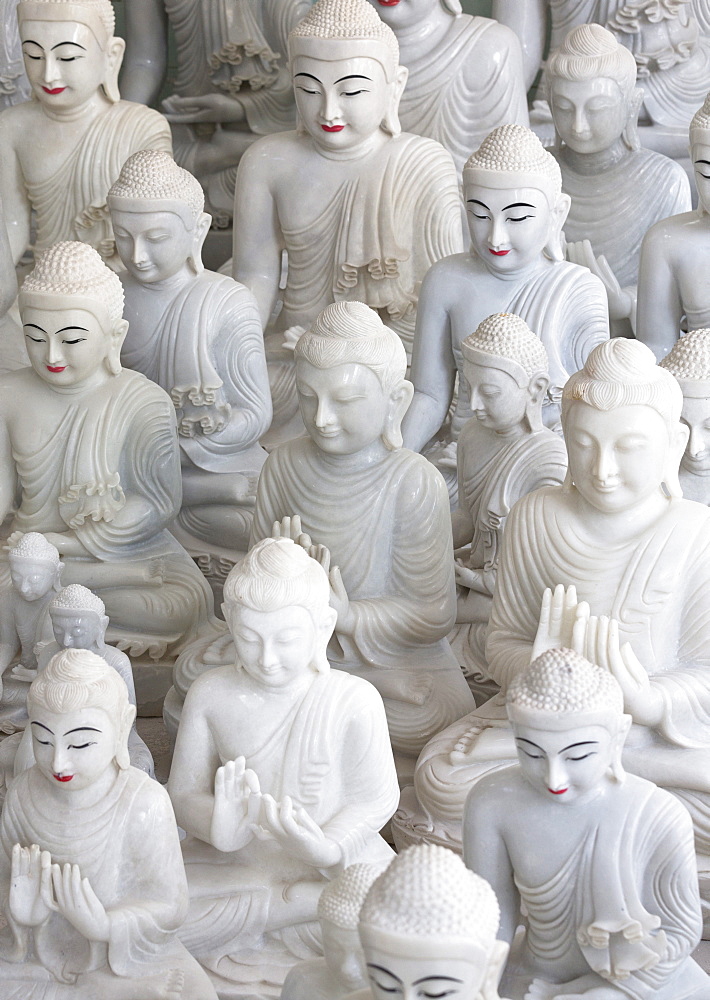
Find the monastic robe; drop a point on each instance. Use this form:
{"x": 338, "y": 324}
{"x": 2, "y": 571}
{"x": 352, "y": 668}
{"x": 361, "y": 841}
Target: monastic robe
{"x": 14, "y": 85}
{"x": 127, "y": 846}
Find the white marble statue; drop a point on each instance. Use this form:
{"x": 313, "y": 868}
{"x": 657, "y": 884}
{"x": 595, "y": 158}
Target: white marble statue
{"x": 674, "y": 283}
{"x": 516, "y": 212}
{"x": 598, "y": 864}
{"x": 14, "y": 85}
{"x": 636, "y": 557}
{"x": 282, "y": 776}
{"x": 376, "y": 208}
{"x": 89, "y": 452}
{"x": 198, "y": 335}
{"x": 428, "y": 929}
{"x": 92, "y": 885}
{"x": 617, "y": 188}
{"x": 378, "y": 517}
{"x": 689, "y": 361}
{"x": 465, "y": 73}
{"x": 503, "y": 453}
{"x": 76, "y": 118}
{"x": 342, "y": 968}
{"x": 12, "y": 343}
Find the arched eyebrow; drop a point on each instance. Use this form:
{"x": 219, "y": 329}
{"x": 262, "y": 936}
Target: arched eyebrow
{"x": 521, "y": 739}
{"x": 31, "y": 41}
{"x": 354, "y": 76}
{"x": 707, "y": 162}
{"x": 584, "y": 743}
{"x": 381, "y": 968}
{"x": 42, "y": 725}
{"x": 518, "y": 204}
{"x": 476, "y": 201}
{"x": 82, "y": 729}
{"x": 34, "y": 327}
{"x": 65, "y": 328}
{"x": 429, "y": 979}
{"x": 309, "y": 75}
{"x": 59, "y": 45}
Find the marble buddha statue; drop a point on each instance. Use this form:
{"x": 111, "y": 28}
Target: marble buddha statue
{"x": 634, "y": 558}
{"x": 92, "y": 884}
{"x": 14, "y": 85}
{"x": 689, "y": 362}
{"x": 618, "y": 189}
{"x": 282, "y": 776}
{"x": 89, "y": 452}
{"x": 428, "y": 928}
{"x": 198, "y": 335}
{"x": 376, "y": 208}
{"x": 600, "y": 862}
{"x": 503, "y": 453}
{"x": 465, "y": 73}
{"x": 85, "y": 131}
{"x": 674, "y": 289}
{"x": 516, "y": 212}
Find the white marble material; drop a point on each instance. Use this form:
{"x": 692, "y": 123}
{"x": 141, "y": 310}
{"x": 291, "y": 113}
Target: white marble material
{"x": 689, "y": 361}
{"x": 14, "y": 85}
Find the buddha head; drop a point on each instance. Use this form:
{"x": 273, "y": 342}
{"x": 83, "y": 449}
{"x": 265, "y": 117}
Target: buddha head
{"x": 70, "y": 51}
{"x": 338, "y": 913}
{"x": 591, "y": 88}
{"x": 158, "y": 217}
{"x": 346, "y": 75}
{"x": 428, "y": 928}
{"x": 700, "y": 155}
{"x": 71, "y": 306}
{"x": 405, "y": 14}
{"x": 35, "y": 567}
{"x": 80, "y": 718}
{"x": 689, "y": 362}
{"x": 79, "y": 619}
{"x": 350, "y": 371}
{"x": 621, "y": 422}
{"x": 276, "y": 604}
{"x": 506, "y": 367}
{"x": 569, "y": 724}
{"x": 514, "y": 202}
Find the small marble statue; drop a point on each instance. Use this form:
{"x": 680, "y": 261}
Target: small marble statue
{"x": 674, "y": 285}
{"x": 376, "y": 207}
{"x": 428, "y": 928}
{"x": 342, "y": 969}
{"x": 689, "y": 361}
{"x": 14, "y": 85}
{"x": 76, "y": 117}
{"x": 282, "y": 776}
{"x": 503, "y": 453}
{"x": 465, "y": 73}
{"x": 617, "y": 188}
{"x": 601, "y": 863}
{"x": 94, "y": 452}
{"x": 91, "y": 881}
{"x": 198, "y": 335}
{"x": 516, "y": 211}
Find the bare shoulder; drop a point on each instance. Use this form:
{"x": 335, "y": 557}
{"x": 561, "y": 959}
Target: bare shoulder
{"x": 664, "y": 237}
{"x": 16, "y": 120}
{"x": 272, "y": 156}
{"x": 211, "y": 689}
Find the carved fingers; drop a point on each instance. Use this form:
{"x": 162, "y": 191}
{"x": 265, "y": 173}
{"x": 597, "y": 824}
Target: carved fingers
{"x": 29, "y": 868}
{"x": 77, "y": 901}
{"x": 297, "y": 832}
{"x": 559, "y": 613}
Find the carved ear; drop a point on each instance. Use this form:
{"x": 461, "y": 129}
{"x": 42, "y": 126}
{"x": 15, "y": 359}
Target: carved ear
{"x": 676, "y": 449}
{"x": 630, "y": 133}
{"x": 400, "y": 398}
{"x": 554, "y": 248}
{"x": 537, "y": 388}
{"x": 123, "y": 758}
{"x": 113, "y": 357}
{"x": 114, "y": 58}
{"x": 617, "y": 768}
{"x": 202, "y": 227}
{"x": 390, "y": 123}
{"x": 496, "y": 963}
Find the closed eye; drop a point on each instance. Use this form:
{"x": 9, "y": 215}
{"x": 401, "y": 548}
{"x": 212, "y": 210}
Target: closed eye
{"x": 45, "y": 743}
{"x": 535, "y": 756}
{"x": 79, "y": 340}
{"x": 353, "y": 93}
{"x": 37, "y": 340}
{"x": 584, "y": 756}
{"x": 522, "y": 218}
{"x": 80, "y": 746}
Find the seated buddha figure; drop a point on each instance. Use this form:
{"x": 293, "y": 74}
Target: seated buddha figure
{"x": 96, "y": 466}
{"x": 92, "y": 884}
{"x": 516, "y": 211}
{"x": 282, "y": 776}
{"x": 198, "y": 335}
{"x": 503, "y": 453}
{"x": 14, "y": 85}
{"x": 630, "y": 550}
{"x": 85, "y": 130}
{"x": 611, "y": 904}
{"x": 689, "y": 361}
{"x": 379, "y": 206}
{"x": 674, "y": 291}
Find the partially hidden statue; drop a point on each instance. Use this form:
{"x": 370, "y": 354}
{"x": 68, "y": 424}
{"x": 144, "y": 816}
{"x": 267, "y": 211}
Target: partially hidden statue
{"x": 516, "y": 213}
{"x": 600, "y": 862}
{"x": 503, "y": 453}
{"x": 689, "y": 361}
{"x": 378, "y": 518}
{"x": 76, "y": 117}
{"x": 90, "y": 452}
{"x": 674, "y": 286}
{"x": 198, "y": 335}
{"x": 428, "y": 929}
{"x": 92, "y": 884}
{"x": 342, "y": 968}
{"x": 14, "y": 85}
{"x": 282, "y": 776}
{"x": 374, "y": 209}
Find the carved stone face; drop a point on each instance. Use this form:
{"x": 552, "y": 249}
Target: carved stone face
{"x": 66, "y": 347}
{"x": 424, "y": 976}
{"x": 344, "y": 955}
{"x": 566, "y": 766}
{"x": 696, "y": 415}
{"x": 153, "y": 245}
{"x": 497, "y": 401}
{"x": 404, "y": 13}
{"x": 77, "y": 629}
{"x": 73, "y": 749}
{"x": 589, "y": 115}
{"x": 701, "y": 162}
{"x": 64, "y": 62}
{"x": 275, "y": 648}
{"x": 509, "y": 227}
{"x": 31, "y": 579}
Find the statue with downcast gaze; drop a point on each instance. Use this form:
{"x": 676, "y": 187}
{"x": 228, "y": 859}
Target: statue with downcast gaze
{"x": 689, "y": 361}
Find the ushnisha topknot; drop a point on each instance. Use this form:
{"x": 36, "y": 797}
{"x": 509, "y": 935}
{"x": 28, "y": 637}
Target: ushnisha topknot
{"x": 505, "y": 337}
{"x": 349, "y": 20}
{"x": 342, "y": 899}
{"x": 89, "y": 12}
{"x": 77, "y": 598}
{"x": 700, "y": 124}
{"x": 561, "y": 682}
{"x": 512, "y": 154}
{"x": 35, "y": 547}
{"x": 689, "y": 363}
{"x": 153, "y": 176}
{"x": 75, "y": 269}
{"x": 590, "y": 51}
{"x": 277, "y": 573}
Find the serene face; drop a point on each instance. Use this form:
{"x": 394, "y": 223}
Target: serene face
{"x": 275, "y": 648}
{"x": 509, "y": 228}
{"x": 343, "y": 955}
{"x": 423, "y": 976}
{"x": 344, "y": 408}
{"x": 73, "y": 749}
{"x": 152, "y": 245}
{"x": 341, "y": 103}
{"x": 701, "y": 163}
{"x": 65, "y": 347}
{"x": 400, "y": 14}
{"x": 696, "y": 416}
{"x": 76, "y": 630}
{"x": 590, "y": 115}
{"x": 617, "y": 457}
{"x": 497, "y": 401}
{"x": 32, "y": 579}
{"x": 64, "y": 62}
{"x": 567, "y": 766}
